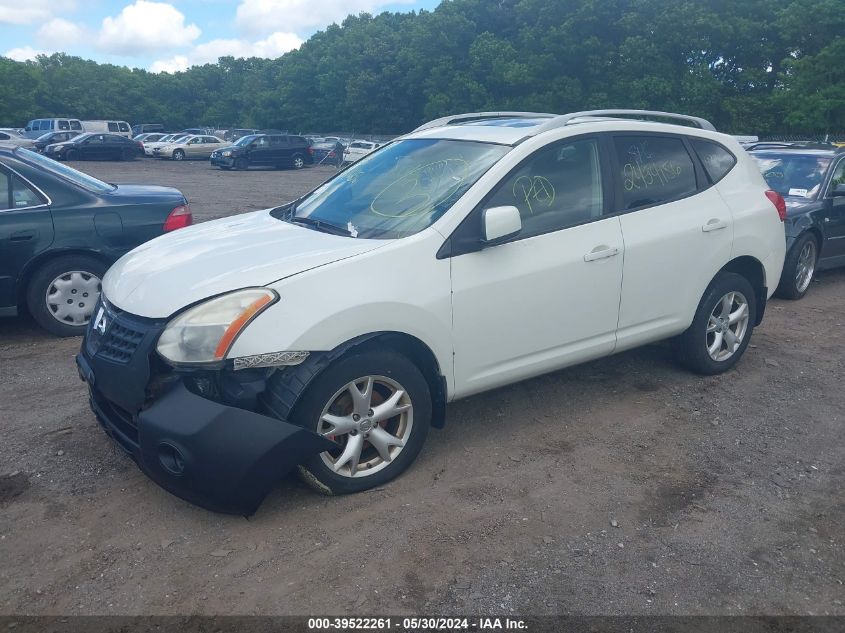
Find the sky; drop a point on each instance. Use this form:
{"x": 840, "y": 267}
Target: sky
{"x": 171, "y": 36}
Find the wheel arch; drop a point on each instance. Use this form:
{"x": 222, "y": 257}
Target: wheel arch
{"x": 753, "y": 270}
{"x": 43, "y": 258}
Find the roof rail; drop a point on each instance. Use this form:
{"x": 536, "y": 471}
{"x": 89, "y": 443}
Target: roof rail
{"x": 480, "y": 116}
{"x": 566, "y": 119}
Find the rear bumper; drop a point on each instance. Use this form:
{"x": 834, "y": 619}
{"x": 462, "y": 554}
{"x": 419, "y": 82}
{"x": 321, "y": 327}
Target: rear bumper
{"x": 222, "y": 458}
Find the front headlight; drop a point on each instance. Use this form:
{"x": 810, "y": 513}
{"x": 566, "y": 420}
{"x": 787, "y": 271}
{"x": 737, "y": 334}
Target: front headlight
{"x": 205, "y": 333}
{"x": 228, "y": 152}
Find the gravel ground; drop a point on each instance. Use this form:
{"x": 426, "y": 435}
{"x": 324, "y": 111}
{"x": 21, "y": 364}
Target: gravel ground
{"x": 623, "y": 486}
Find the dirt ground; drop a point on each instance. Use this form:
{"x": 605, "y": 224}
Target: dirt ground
{"x": 623, "y": 486}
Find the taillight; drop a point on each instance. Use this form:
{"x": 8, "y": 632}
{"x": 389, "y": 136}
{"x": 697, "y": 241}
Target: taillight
{"x": 179, "y": 218}
{"x": 780, "y": 204}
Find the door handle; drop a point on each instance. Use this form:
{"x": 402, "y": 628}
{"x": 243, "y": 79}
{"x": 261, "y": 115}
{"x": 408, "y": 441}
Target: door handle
{"x": 714, "y": 225}
{"x": 22, "y": 236}
{"x": 601, "y": 252}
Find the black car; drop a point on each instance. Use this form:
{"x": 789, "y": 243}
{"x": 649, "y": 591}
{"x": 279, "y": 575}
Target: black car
{"x": 265, "y": 150}
{"x": 812, "y": 181}
{"x": 51, "y": 138}
{"x": 60, "y": 229}
{"x": 96, "y": 147}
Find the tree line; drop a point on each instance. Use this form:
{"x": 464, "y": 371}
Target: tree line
{"x": 754, "y": 67}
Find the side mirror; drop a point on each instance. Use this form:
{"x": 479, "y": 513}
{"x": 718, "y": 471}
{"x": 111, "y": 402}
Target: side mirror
{"x": 499, "y": 224}
{"x": 838, "y": 191}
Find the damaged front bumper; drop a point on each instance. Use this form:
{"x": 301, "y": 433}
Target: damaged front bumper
{"x": 221, "y": 457}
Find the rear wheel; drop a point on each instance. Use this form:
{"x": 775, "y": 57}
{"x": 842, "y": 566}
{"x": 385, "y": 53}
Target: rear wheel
{"x": 62, "y": 293}
{"x": 127, "y": 154}
{"x": 375, "y": 406}
{"x": 298, "y": 161}
{"x": 799, "y": 267}
{"x": 722, "y": 326}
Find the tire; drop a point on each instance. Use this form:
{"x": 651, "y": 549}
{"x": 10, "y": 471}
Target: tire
{"x": 45, "y": 299}
{"x": 241, "y": 164}
{"x": 71, "y": 154}
{"x": 298, "y": 161}
{"x": 127, "y": 154}
{"x": 329, "y": 394}
{"x": 798, "y": 268}
{"x": 693, "y": 348}
{"x": 178, "y": 155}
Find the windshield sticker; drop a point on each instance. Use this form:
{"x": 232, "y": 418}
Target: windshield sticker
{"x": 413, "y": 193}
{"x": 797, "y": 192}
{"x": 538, "y": 189}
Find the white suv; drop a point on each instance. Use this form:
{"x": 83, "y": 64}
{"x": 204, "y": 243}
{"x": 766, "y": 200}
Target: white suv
{"x": 474, "y": 252}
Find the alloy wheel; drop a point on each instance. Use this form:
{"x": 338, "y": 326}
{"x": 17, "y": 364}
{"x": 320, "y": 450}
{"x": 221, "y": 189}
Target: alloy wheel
{"x": 370, "y": 419}
{"x": 806, "y": 266}
{"x": 727, "y": 326}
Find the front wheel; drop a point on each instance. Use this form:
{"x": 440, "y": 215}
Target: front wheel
{"x": 71, "y": 154}
{"x": 799, "y": 267}
{"x": 178, "y": 155}
{"x": 722, "y": 326}
{"x": 241, "y": 164}
{"x": 376, "y": 406}
{"x": 62, "y": 293}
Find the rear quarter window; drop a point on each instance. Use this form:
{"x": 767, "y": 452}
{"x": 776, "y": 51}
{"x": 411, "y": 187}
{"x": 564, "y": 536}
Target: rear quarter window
{"x": 717, "y": 160}
{"x": 653, "y": 170}
{"x": 112, "y": 126}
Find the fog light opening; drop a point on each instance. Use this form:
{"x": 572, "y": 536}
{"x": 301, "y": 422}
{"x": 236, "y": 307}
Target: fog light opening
{"x": 171, "y": 459}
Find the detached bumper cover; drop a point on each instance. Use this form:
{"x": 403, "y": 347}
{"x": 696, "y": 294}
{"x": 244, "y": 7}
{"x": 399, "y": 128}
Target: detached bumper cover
{"x": 222, "y": 458}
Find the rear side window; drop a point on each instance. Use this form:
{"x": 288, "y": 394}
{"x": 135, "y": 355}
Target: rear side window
{"x": 112, "y": 126}
{"x": 63, "y": 125}
{"x": 4, "y": 190}
{"x": 23, "y": 195}
{"x": 653, "y": 170}
{"x": 716, "y": 159}
{"x": 124, "y": 127}
{"x": 75, "y": 125}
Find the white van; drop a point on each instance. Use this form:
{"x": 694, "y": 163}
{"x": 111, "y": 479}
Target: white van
{"x": 39, "y": 127}
{"x": 121, "y": 128}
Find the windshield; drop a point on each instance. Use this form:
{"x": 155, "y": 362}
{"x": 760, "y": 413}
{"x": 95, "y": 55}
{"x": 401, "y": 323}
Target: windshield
{"x": 244, "y": 140}
{"x": 401, "y": 189}
{"x": 797, "y": 175}
{"x": 68, "y": 173}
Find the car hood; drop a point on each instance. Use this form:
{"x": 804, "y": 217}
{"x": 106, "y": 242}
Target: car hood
{"x": 254, "y": 249}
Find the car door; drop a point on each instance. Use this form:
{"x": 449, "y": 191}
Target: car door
{"x": 678, "y": 234}
{"x": 259, "y": 151}
{"x": 548, "y": 297}
{"x": 26, "y": 229}
{"x": 833, "y": 214}
{"x": 276, "y": 151}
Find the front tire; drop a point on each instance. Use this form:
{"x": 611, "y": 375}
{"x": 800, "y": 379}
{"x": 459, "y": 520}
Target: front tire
{"x": 799, "y": 267}
{"x": 178, "y": 155}
{"x": 241, "y": 164}
{"x": 375, "y": 405}
{"x": 71, "y": 154}
{"x": 722, "y": 327}
{"x": 62, "y": 293}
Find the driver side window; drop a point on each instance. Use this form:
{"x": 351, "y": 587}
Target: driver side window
{"x": 838, "y": 177}
{"x": 559, "y": 186}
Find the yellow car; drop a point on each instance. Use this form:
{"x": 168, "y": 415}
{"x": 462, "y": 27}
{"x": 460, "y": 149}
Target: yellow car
{"x": 197, "y": 146}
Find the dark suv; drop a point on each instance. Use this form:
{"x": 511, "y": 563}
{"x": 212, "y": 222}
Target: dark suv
{"x": 812, "y": 181}
{"x": 265, "y": 150}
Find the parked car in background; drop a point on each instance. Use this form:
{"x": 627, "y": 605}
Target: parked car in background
{"x": 150, "y": 136}
{"x": 13, "y": 137}
{"x": 95, "y": 147}
{"x": 150, "y": 147}
{"x": 39, "y": 127}
{"x": 61, "y": 229}
{"x": 190, "y": 147}
{"x": 121, "y": 128}
{"x": 141, "y": 128}
{"x": 265, "y": 150}
{"x": 500, "y": 243}
{"x": 52, "y": 137}
{"x": 812, "y": 182}
{"x": 358, "y": 149}
{"x": 235, "y": 134}
{"x": 323, "y": 152}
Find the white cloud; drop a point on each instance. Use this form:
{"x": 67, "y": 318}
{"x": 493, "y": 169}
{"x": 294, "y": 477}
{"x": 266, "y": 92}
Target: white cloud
{"x": 23, "y": 53}
{"x": 276, "y": 45}
{"x": 30, "y": 11}
{"x": 265, "y": 16}
{"x": 146, "y": 27}
{"x": 59, "y": 33}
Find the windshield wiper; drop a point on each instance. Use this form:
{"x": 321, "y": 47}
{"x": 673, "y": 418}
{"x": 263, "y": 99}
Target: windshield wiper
{"x": 320, "y": 225}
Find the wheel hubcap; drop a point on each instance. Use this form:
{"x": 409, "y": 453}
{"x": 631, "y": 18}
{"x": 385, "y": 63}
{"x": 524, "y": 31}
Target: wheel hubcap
{"x": 71, "y": 297}
{"x": 370, "y": 419}
{"x": 727, "y": 326}
{"x": 806, "y": 266}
